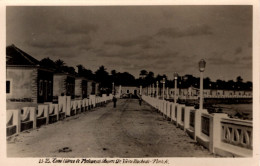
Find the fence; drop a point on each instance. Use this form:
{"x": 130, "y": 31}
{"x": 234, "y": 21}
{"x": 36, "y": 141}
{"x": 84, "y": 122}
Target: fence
{"x": 18, "y": 120}
{"x": 217, "y": 132}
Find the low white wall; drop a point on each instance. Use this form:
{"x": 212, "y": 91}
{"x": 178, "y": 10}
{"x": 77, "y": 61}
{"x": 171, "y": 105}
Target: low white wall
{"x": 217, "y": 132}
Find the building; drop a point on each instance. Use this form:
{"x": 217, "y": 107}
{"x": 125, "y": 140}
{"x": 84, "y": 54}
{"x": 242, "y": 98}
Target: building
{"x": 81, "y": 88}
{"x": 63, "y": 85}
{"x": 27, "y": 83}
{"x": 125, "y": 90}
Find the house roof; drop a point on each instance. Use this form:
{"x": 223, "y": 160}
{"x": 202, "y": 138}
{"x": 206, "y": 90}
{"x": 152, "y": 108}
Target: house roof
{"x": 17, "y": 57}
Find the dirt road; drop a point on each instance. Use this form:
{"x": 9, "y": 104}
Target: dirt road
{"x": 129, "y": 130}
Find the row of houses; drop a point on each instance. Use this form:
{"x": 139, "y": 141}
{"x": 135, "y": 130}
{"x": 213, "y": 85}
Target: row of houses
{"x": 29, "y": 83}
{"x": 184, "y": 93}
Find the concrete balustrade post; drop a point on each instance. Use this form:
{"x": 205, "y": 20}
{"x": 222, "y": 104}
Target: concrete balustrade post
{"x": 197, "y": 123}
{"x": 168, "y": 110}
{"x": 56, "y": 110}
{"x": 215, "y": 130}
{"x": 179, "y": 108}
{"x": 73, "y": 107}
{"x": 81, "y": 105}
{"x": 68, "y": 105}
{"x": 84, "y": 104}
{"x": 171, "y": 110}
{"x": 87, "y": 104}
{"x": 164, "y": 107}
{"x": 46, "y": 113}
{"x": 104, "y": 98}
{"x": 174, "y": 105}
{"x": 17, "y": 119}
{"x": 33, "y": 116}
{"x": 187, "y": 117}
{"x": 62, "y": 105}
{"x": 93, "y": 100}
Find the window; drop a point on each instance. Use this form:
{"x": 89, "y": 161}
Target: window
{"x": 49, "y": 88}
{"x": 41, "y": 87}
{"x": 8, "y": 87}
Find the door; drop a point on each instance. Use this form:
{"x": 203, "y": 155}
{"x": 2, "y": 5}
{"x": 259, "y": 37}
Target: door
{"x": 135, "y": 92}
{"x": 43, "y": 91}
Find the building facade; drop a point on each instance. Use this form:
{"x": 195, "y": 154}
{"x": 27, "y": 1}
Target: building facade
{"x": 27, "y": 83}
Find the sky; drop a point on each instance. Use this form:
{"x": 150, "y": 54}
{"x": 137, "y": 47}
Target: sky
{"x": 161, "y": 39}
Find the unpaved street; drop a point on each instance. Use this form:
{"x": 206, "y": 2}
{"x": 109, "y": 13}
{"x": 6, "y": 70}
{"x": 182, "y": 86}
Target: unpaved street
{"x": 129, "y": 130}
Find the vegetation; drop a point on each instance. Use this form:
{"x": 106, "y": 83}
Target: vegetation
{"x": 146, "y": 78}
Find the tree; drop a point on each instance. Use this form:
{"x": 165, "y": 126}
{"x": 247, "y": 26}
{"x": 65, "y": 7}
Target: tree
{"x": 68, "y": 69}
{"x": 60, "y": 65}
{"x": 80, "y": 70}
{"x": 113, "y": 72}
{"x": 101, "y": 76}
{"x": 47, "y": 62}
{"x": 239, "y": 79}
{"x": 143, "y": 73}
{"x": 149, "y": 79}
{"x": 83, "y": 72}
{"x": 207, "y": 83}
{"x": 126, "y": 79}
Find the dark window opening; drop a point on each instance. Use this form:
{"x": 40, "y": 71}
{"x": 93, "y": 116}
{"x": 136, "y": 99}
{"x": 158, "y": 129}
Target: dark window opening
{"x": 8, "y": 87}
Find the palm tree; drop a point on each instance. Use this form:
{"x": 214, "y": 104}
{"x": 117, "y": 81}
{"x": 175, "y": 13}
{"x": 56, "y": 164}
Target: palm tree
{"x": 143, "y": 73}
{"x": 80, "y": 69}
{"x": 60, "y": 62}
{"x": 60, "y": 65}
{"x": 47, "y": 62}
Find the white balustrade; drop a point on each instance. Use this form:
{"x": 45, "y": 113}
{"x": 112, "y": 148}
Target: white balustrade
{"x": 43, "y": 112}
{"x": 13, "y": 119}
{"x": 62, "y": 107}
{"x": 237, "y": 132}
{"x": 215, "y": 131}
{"x": 68, "y": 105}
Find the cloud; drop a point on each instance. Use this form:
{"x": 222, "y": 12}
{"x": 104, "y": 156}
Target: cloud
{"x": 238, "y": 50}
{"x": 76, "y": 28}
{"x": 121, "y": 54}
{"x": 52, "y": 41}
{"x": 130, "y": 42}
{"x": 137, "y": 67}
{"x": 198, "y": 30}
{"x": 149, "y": 46}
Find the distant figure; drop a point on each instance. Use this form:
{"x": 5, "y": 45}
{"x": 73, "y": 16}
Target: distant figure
{"x": 114, "y": 100}
{"x": 140, "y": 101}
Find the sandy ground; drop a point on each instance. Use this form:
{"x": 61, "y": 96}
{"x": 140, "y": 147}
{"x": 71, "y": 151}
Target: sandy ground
{"x": 129, "y": 130}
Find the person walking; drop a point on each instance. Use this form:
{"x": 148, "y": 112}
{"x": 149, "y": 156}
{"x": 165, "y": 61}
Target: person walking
{"x": 114, "y": 100}
{"x": 140, "y": 100}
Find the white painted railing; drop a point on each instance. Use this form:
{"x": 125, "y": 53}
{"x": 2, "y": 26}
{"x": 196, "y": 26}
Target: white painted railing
{"x": 217, "y": 132}
{"x": 237, "y": 132}
{"x": 18, "y": 118}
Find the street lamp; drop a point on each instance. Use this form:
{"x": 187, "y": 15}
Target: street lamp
{"x": 175, "y": 86}
{"x": 113, "y": 88}
{"x": 202, "y": 65}
{"x": 157, "y": 88}
{"x": 153, "y": 90}
{"x": 163, "y": 87}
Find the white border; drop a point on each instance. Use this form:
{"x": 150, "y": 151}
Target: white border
{"x": 174, "y": 161}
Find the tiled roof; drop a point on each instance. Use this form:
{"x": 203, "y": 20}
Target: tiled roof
{"x": 15, "y": 56}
